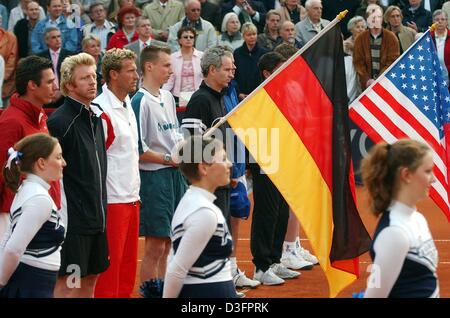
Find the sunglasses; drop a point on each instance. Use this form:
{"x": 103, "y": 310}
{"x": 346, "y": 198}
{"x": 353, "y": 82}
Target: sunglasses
{"x": 195, "y": 10}
{"x": 188, "y": 37}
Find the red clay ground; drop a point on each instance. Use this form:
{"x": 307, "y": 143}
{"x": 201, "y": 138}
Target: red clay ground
{"x": 313, "y": 284}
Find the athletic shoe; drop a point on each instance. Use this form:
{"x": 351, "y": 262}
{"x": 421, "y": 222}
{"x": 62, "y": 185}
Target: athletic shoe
{"x": 292, "y": 260}
{"x": 268, "y": 277}
{"x": 241, "y": 280}
{"x": 283, "y": 272}
{"x": 307, "y": 256}
{"x": 240, "y": 294}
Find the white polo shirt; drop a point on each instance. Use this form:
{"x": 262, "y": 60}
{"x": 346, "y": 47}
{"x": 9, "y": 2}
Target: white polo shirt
{"x": 122, "y": 181}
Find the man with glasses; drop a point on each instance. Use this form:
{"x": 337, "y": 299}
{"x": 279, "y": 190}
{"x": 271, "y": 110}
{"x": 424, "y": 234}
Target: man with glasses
{"x": 206, "y": 34}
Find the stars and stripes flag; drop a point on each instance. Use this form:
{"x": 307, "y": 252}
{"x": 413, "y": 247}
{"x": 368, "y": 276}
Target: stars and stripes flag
{"x": 411, "y": 100}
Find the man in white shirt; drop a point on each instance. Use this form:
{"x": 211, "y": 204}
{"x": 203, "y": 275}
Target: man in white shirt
{"x": 100, "y": 27}
{"x": 122, "y": 179}
{"x": 162, "y": 184}
{"x": 20, "y": 12}
{"x": 144, "y": 30}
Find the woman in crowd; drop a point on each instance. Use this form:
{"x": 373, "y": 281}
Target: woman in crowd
{"x": 127, "y": 28}
{"x": 246, "y": 58}
{"x": 393, "y": 17}
{"x": 187, "y": 73}
{"x": 441, "y": 38}
{"x": 356, "y": 25}
{"x": 404, "y": 256}
{"x": 30, "y": 252}
{"x": 92, "y": 46}
{"x": 231, "y": 36}
{"x": 199, "y": 266}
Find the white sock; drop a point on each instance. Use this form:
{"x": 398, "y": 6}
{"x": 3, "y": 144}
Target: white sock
{"x": 288, "y": 247}
{"x": 297, "y": 243}
{"x": 233, "y": 264}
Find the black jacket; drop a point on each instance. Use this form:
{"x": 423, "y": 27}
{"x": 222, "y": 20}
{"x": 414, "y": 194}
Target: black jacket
{"x": 248, "y": 76}
{"x": 82, "y": 140}
{"x": 421, "y": 17}
{"x": 22, "y": 34}
{"x": 212, "y": 12}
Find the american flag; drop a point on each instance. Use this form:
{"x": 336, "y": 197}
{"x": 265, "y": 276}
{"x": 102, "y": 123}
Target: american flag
{"x": 411, "y": 100}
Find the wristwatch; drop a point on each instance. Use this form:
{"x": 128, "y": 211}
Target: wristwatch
{"x": 167, "y": 158}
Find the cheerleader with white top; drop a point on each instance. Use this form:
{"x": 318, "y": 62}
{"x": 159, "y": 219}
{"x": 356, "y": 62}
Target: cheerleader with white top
{"x": 404, "y": 255}
{"x": 30, "y": 251}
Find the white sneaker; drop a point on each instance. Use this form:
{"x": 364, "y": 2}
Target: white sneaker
{"x": 307, "y": 256}
{"x": 241, "y": 280}
{"x": 268, "y": 277}
{"x": 283, "y": 272}
{"x": 294, "y": 261}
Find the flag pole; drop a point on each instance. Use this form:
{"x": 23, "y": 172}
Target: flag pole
{"x": 330, "y": 25}
{"x": 431, "y": 28}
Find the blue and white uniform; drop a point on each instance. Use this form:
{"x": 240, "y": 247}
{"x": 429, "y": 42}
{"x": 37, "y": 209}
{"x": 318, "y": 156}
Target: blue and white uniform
{"x": 33, "y": 241}
{"x": 404, "y": 255}
{"x": 201, "y": 246}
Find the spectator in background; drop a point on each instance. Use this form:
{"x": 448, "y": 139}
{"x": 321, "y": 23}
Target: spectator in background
{"x": 356, "y": 26}
{"x": 55, "y": 18}
{"x": 8, "y": 50}
{"x": 271, "y": 37}
{"x": 4, "y": 17}
{"x": 291, "y": 10}
{"x": 406, "y": 36}
{"x": 92, "y": 46}
{"x": 287, "y": 33}
{"x": 206, "y": 34}
{"x": 163, "y": 14}
{"x": 361, "y": 11}
{"x": 375, "y": 49}
{"x": 118, "y": 5}
{"x": 442, "y": 41}
{"x": 313, "y": 23}
{"x": 186, "y": 74}
{"x": 99, "y": 27}
{"x": 144, "y": 31}
{"x": 211, "y": 12}
{"x": 248, "y": 11}
{"x": 24, "y": 29}
{"x": 127, "y": 28}
{"x": 72, "y": 13}
{"x": 231, "y": 34}
{"x": 21, "y": 11}
{"x": 55, "y": 53}
{"x": 246, "y": 60}
{"x": 446, "y": 8}
{"x": 416, "y": 17}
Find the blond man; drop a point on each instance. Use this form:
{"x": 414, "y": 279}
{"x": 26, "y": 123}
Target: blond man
{"x": 79, "y": 129}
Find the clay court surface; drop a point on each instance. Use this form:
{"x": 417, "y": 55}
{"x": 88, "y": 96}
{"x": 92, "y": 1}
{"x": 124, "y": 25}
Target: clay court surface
{"x": 313, "y": 284}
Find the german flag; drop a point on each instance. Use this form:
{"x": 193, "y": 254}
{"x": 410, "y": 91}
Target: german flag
{"x": 303, "y": 110}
